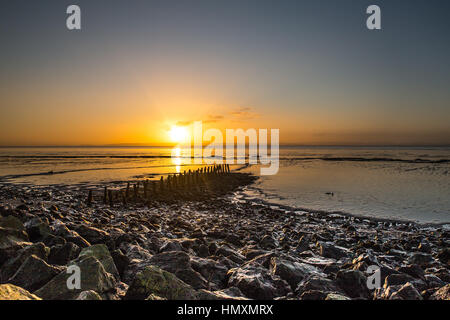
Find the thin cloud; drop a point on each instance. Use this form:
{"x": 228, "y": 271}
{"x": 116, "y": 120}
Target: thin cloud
{"x": 184, "y": 123}
{"x": 243, "y": 113}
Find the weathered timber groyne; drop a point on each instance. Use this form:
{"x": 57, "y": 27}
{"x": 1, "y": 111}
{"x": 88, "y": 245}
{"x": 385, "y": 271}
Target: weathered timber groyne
{"x": 196, "y": 185}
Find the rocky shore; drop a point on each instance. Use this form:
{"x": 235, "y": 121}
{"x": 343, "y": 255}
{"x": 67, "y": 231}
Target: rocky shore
{"x": 209, "y": 245}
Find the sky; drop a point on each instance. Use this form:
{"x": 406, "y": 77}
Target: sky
{"x": 310, "y": 68}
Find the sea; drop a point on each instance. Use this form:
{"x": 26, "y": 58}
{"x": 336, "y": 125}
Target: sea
{"x": 405, "y": 183}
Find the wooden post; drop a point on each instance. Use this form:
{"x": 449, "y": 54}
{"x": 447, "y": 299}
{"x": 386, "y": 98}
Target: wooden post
{"x": 105, "y": 195}
{"x": 89, "y": 198}
{"x": 145, "y": 188}
{"x": 127, "y": 192}
{"x": 135, "y": 189}
{"x": 124, "y": 198}
{"x": 110, "y": 196}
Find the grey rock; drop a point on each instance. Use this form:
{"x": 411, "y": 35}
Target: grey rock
{"x": 268, "y": 243}
{"x": 444, "y": 256}
{"x": 291, "y": 271}
{"x": 406, "y": 292}
{"x": 397, "y": 279}
{"x": 433, "y": 281}
{"x": 91, "y": 234}
{"x": 353, "y": 282}
{"x": 336, "y": 296}
{"x": 212, "y": 271}
{"x": 101, "y": 253}
{"x": 421, "y": 259}
{"x": 62, "y": 254}
{"x": 179, "y": 264}
{"x": 69, "y": 235}
{"x": 303, "y": 244}
{"x": 153, "y": 280}
{"x": 37, "y": 229}
{"x": 34, "y": 273}
{"x": 89, "y": 295}
{"x": 11, "y": 241}
{"x": 317, "y": 283}
{"x": 256, "y": 282}
{"x": 10, "y": 267}
{"x": 93, "y": 277}
{"x": 121, "y": 261}
{"x": 231, "y": 254}
{"x": 330, "y": 250}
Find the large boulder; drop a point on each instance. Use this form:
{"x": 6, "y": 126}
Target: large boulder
{"x": 317, "y": 283}
{"x": 91, "y": 234}
{"x": 406, "y": 292}
{"x": 291, "y": 271}
{"x": 263, "y": 259}
{"x": 34, "y": 273}
{"x": 178, "y": 263}
{"x": 11, "y": 292}
{"x": 257, "y": 282}
{"x": 69, "y": 235}
{"x": 421, "y": 259}
{"x": 135, "y": 251}
{"x": 433, "y": 281}
{"x": 228, "y": 252}
{"x": 171, "y": 245}
{"x": 10, "y": 267}
{"x": 212, "y": 271}
{"x": 37, "y": 229}
{"x": 413, "y": 270}
{"x": 93, "y": 277}
{"x": 303, "y": 244}
{"x": 330, "y": 250}
{"x": 121, "y": 261}
{"x": 353, "y": 282}
{"x": 155, "y": 281}
{"x": 11, "y": 241}
{"x": 397, "y": 279}
{"x": 51, "y": 240}
{"x": 11, "y": 222}
{"x": 444, "y": 256}
{"x": 101, "y": 252}
{"x": 134, "y": 267}
{"x": 268, "y": 243}
{"x": 368, "y": 257}
{"x": 61, "y": 254}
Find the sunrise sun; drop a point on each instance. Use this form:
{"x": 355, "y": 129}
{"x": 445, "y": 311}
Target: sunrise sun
{"x": 178, "y": 134}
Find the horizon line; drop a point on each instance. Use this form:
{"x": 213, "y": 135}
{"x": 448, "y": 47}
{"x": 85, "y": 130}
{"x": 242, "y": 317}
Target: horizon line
{"x": 137, "y": 145}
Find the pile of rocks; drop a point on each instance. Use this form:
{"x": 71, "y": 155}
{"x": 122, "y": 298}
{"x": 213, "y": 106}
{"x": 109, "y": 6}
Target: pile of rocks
{"x": 209, "y": 249}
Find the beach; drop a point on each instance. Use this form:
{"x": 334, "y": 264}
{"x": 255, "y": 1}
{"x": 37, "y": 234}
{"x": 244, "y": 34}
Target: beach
{"x": 211, "y": 241}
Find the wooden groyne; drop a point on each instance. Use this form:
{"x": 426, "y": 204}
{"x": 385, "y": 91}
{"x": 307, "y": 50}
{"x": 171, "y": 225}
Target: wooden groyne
{"x": 195, "y": 185}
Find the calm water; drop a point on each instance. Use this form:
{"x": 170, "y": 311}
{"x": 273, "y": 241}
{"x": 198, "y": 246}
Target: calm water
{"x": 405, "y": 183}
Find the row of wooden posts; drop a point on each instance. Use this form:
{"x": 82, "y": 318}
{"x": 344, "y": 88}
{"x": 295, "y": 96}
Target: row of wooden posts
{"x": 189, "y": 181}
